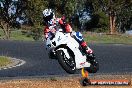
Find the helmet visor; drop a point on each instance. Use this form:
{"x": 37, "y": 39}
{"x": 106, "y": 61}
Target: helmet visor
{"x": 48, "y": 18}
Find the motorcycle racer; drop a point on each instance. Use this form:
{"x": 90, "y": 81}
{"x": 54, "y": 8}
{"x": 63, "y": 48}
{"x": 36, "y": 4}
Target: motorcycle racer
{"x": 52, "y": 23}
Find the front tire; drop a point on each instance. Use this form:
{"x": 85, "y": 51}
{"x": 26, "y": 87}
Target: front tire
{"x": 67, "y": 64}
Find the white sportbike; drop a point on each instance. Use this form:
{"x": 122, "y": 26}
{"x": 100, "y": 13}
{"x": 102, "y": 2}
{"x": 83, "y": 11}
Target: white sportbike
{"x": 69, "y": 53}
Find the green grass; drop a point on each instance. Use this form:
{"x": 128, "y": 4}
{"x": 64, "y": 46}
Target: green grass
{"x": 1, "y": 33}
{"x": 4, "y": 61}
{"x": 88, "y": 36}
{"x": 17, "y": 35}
{"x": 104, "y": 38}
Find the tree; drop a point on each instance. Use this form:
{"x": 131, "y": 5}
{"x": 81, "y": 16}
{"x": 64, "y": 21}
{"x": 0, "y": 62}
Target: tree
{"x": 9, "y": 11}
{"x": 63, "y": 7}
{"x": 124, "y": 16}
{"x": 34, "y": 15}
{"x": 119, "y": 12}
{"x": 34, "y": 11}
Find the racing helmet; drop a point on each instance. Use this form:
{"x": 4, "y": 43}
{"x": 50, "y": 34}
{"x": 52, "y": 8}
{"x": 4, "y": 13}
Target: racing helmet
{"x": 48, "y": 14}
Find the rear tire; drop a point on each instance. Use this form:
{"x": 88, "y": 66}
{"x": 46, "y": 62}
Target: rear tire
{"x": 94, "y": 67}
{"x": 67, "y": 64}
{"x": 94, "y": 64}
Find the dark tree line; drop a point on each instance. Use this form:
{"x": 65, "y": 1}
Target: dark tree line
{"x": 7, "y": 17}
{"x": 115, "y": 13}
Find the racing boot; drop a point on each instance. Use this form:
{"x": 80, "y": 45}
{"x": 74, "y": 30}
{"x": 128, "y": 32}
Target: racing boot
{"x": 87, "y": 51}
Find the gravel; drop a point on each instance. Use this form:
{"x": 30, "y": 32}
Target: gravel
{"x": 62, "y": 82}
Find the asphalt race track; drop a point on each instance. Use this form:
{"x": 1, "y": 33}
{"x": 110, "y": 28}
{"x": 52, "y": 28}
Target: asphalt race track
{"x": 113, "y": 58}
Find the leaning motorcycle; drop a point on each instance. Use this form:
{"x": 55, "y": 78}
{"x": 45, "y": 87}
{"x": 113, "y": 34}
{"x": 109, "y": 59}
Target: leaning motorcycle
{"x": 69, "y": 53}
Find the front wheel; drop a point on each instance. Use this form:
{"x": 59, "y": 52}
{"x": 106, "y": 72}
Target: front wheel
{"x": 68, "y": 64}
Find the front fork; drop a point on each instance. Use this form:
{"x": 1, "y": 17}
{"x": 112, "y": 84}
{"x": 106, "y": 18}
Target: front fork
{"x": 52, "y": 54}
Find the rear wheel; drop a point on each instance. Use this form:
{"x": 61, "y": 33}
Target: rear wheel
{"x": 68, "y": 64}
{"x": 94, "y": 67}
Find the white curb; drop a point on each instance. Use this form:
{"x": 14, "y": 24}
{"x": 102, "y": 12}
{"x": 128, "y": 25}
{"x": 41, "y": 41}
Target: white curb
{"x": 15, "y": 63}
